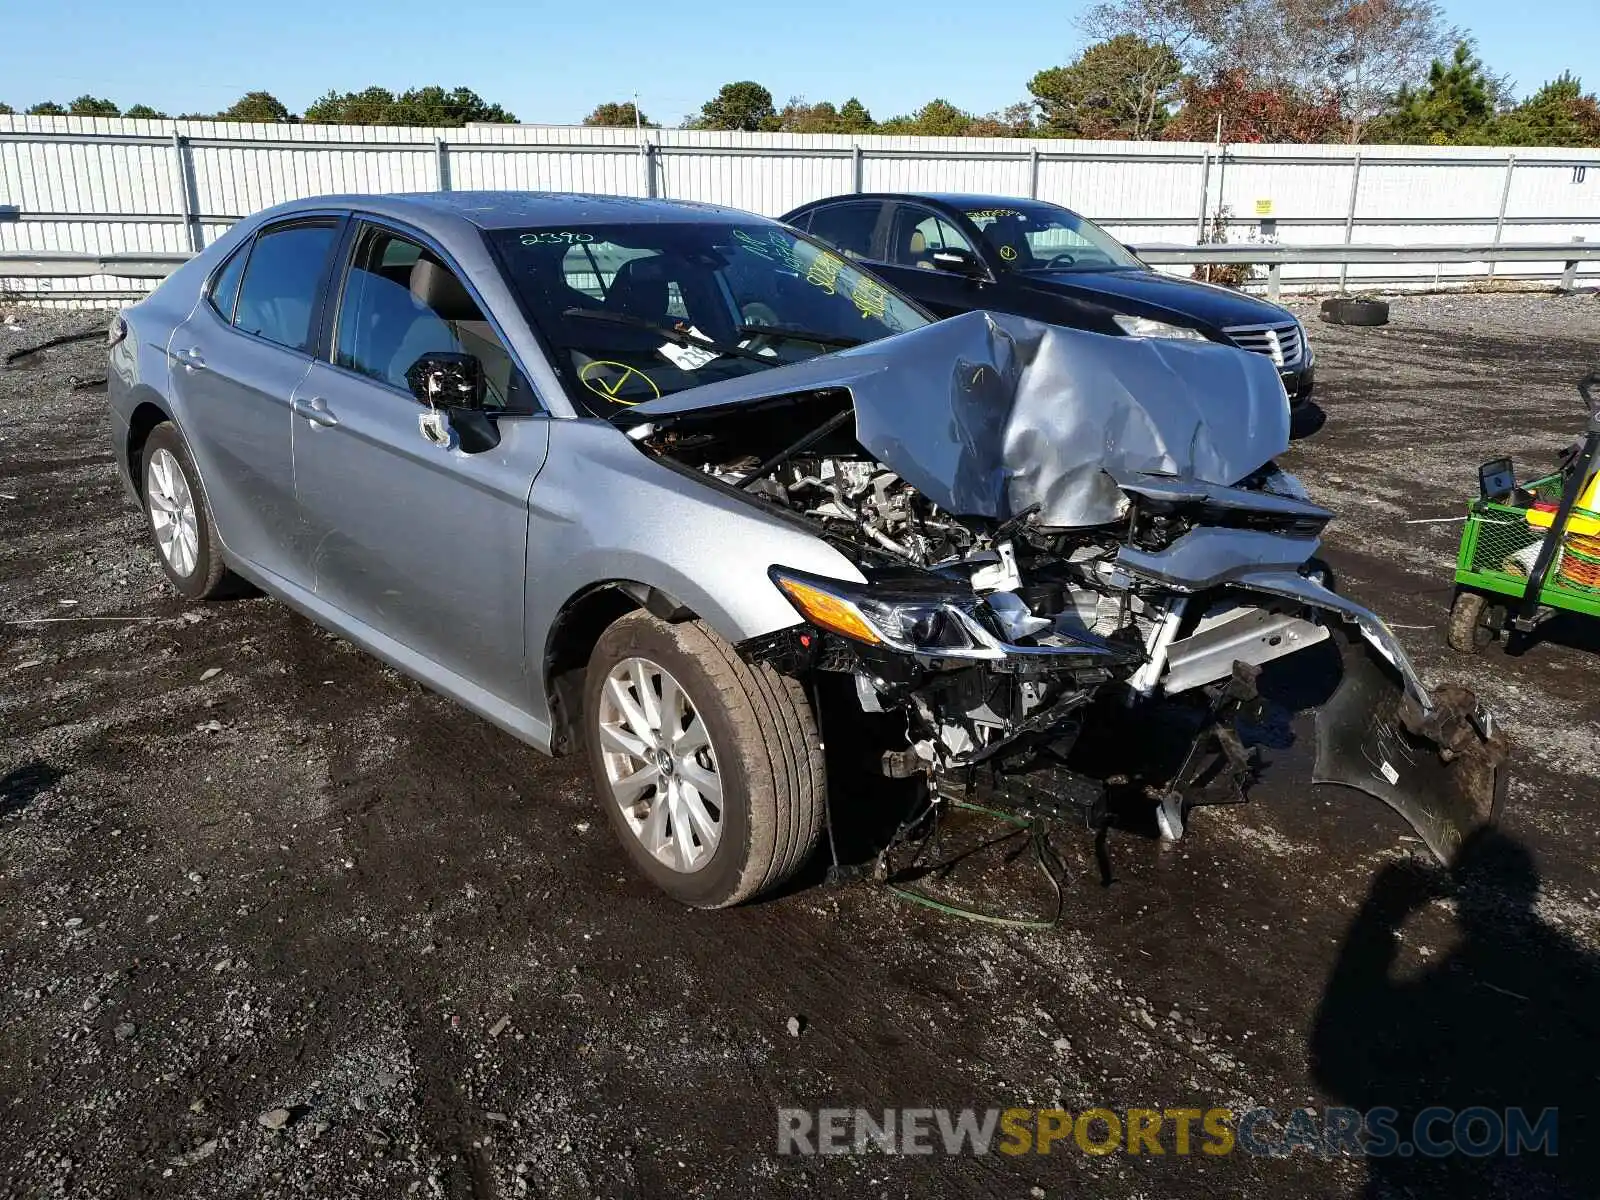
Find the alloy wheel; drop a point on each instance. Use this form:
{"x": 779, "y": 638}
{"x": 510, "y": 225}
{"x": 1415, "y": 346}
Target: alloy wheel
{"x": 172, "y": 513}
{"x": 660, "y": 765}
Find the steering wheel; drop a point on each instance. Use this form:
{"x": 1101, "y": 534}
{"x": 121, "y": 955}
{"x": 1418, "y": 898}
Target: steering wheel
{"x": 1064, "y": 259}
{"x": 755, "y": 312}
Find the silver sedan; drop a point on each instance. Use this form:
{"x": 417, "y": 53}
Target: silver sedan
{"x": 642, "y": 480}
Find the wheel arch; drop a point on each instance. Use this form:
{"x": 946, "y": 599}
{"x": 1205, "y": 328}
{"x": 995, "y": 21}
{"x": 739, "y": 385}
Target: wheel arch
{"x": 146, "y": 415}
{"x": 581, "y": 620}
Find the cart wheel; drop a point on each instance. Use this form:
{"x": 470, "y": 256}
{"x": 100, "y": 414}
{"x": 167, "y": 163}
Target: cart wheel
{"x": 1471, "y": 627}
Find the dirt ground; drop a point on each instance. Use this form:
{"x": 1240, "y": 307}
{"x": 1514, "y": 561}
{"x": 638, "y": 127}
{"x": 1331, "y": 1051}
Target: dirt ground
{"x": 245, "y": 867}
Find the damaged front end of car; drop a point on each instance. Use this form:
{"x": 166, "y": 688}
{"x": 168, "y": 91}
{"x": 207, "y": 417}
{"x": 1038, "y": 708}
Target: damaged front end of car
{"x": 1067, "y": 543}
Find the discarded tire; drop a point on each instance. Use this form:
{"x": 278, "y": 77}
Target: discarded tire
{"x": 1355, "y": 310}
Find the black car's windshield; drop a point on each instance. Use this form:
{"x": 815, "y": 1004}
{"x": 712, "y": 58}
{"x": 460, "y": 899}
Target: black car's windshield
{"x": 1031, "y": 236}
{"x": 632, "y": 312}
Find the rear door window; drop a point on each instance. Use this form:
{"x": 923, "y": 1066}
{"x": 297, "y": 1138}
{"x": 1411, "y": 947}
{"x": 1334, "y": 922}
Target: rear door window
{"x": 848, "y": 226}
{"x": 278, "y": 296}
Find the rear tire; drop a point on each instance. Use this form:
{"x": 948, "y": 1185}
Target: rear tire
{"x": 178, "y": 517}
{"x": 719, "y": 796}
{"x": 1469, "y": 630}
{"x": 1355, "y": 310}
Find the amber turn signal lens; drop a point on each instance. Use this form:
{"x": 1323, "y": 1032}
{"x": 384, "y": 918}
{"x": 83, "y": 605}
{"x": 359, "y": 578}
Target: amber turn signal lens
{"x": 828, "y": 612}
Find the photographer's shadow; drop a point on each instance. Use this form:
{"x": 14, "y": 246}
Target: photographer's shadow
{"x": 1508, "y": 1018}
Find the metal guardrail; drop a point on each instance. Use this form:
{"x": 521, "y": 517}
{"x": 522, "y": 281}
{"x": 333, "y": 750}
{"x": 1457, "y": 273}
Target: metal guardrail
{"x": 1273, "y": 255}
{"x": 66, "y": 264}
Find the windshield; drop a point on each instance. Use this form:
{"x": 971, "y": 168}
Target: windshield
{"x": 1031, "y": 236}
{"x": 638, "y": 311}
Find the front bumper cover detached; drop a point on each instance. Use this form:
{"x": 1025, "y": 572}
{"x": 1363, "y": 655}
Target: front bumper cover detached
{"x": 1442, "y": 768}
{"x": 1436, "y": 758}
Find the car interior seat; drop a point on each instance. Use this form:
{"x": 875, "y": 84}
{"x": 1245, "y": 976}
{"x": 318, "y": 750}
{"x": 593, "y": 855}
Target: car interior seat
{"x": 448, "y": 318}
{"x": 911, "y": 247}
{"x": 643, "y": 288}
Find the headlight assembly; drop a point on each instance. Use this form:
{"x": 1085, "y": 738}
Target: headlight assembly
{"x": 913, "y": 623}
{"x": 1149, "y": 327}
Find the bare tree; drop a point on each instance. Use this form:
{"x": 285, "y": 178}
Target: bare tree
{"x": 1207, "y": 36}
{"x": 1180, "y": 26}
{"x": 1362, "y": 51}
{"x": 1355, "y": 53}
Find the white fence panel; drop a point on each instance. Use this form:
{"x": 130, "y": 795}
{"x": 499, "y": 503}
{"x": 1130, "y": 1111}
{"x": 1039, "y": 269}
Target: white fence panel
{"x": 1133, "y": 192}
{"x": 99, "y": 185}
{"x": 614, "y": 172}
{"x": 770, "y": 184}
{"x": 88, "y": 177}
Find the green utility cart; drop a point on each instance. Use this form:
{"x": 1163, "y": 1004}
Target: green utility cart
{"x": 1530, "y": 550}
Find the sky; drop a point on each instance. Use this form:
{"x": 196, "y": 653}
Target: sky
{"x": 553, "y": 63}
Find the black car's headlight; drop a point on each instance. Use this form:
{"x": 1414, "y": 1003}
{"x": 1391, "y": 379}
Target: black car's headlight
{"x": 1149, "y": 327}
{"x": 916, "y": 623}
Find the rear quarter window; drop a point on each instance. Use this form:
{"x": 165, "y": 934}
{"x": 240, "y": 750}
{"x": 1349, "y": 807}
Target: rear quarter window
{"x": 225, "y": 284}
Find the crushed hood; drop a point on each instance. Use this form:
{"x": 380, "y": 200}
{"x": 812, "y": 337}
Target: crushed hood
{"x": 988, "y": 414}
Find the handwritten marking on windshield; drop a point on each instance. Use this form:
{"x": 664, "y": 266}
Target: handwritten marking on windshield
{"x": 870, "y": 297}
{"x": 824, "y": 272}
{"x": 555, "y": 237}
{"x": 592, "y": 377}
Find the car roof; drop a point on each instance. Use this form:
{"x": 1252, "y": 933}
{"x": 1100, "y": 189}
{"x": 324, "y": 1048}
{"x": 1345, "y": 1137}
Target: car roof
{"x": 962, "y": 200}
{"x": 515, "y": 210}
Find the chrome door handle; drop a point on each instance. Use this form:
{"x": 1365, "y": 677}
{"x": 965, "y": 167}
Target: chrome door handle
{"x": 314, "y": 410}
{"x": 191, "y": 359}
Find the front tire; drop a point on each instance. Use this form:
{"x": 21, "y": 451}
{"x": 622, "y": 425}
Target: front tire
{"x": 178, "y": 517}
{"x": 710, "y": 770}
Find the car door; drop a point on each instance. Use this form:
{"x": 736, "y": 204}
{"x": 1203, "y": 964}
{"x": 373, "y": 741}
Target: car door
{"x": 421, "y": 543}
{"x": 236, "y": 363}
{"x": 915, "y": 233}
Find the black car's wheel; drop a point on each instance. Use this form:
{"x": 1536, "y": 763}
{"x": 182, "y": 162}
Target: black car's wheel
{"x": 179, "y": 519}
{"x": 1472, "y": 622}
{"x": 710, "y": 770}
{"x": 1355, "y": 310}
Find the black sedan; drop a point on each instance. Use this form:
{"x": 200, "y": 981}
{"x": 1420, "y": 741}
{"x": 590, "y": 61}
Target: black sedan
{"x": 956, "y": 253}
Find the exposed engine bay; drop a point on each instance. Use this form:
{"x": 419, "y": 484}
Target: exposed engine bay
{"x": 1038, "y": 564}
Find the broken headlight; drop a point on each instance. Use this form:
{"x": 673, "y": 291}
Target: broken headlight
{"x": 914, "y": 621}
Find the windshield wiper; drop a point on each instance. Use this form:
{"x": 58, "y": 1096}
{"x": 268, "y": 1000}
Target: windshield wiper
{"x": 800, "y": 335}
{"x": 676, "y": 336}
